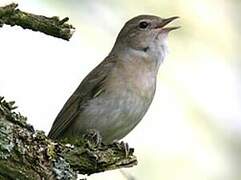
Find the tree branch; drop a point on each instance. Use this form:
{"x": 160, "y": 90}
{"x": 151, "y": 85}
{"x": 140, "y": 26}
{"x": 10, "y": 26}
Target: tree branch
{"x": 52, "y": 26}
{"x": 29, "y": 154}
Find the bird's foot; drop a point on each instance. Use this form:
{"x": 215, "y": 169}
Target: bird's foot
{"x": 124, "y": 146}
{"x": 93, "y": 138}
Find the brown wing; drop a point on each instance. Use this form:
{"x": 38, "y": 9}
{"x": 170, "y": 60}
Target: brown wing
{"x": 90, "y": 87}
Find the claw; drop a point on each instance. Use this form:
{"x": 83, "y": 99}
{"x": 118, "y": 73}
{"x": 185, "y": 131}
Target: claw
{"x": 123, "y": 146}
{"x": 126, "y": 148}
{"x": 93, "y": 137}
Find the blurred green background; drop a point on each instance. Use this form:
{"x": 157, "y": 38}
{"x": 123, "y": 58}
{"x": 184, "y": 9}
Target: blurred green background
{"x": 193, "y": 128}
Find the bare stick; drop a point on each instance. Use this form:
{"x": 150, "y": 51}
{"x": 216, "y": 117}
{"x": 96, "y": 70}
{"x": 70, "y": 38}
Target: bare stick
{"x": 52, "y": 26}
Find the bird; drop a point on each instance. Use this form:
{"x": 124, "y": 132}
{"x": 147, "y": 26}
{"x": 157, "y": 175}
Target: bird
{"x": 114, "y": 97}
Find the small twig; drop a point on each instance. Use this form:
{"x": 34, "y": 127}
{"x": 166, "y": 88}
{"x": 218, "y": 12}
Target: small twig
{"x": 127, "y": 175}
{"x": 52, "y": 26}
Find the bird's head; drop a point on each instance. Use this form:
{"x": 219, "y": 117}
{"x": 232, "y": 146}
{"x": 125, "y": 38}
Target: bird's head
{"x": 145, "y": 35}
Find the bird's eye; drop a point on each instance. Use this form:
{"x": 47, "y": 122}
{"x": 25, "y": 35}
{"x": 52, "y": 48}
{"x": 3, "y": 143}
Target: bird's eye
{"x": 143, "y": 25}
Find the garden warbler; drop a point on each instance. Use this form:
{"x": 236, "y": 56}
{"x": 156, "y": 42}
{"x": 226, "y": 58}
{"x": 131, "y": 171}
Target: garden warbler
{"x": 114, "y": 96}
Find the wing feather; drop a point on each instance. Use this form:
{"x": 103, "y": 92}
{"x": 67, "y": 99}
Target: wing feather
{"x": 91, "y": 87}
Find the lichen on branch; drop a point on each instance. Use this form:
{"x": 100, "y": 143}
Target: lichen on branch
{"x": 28, "y": 154}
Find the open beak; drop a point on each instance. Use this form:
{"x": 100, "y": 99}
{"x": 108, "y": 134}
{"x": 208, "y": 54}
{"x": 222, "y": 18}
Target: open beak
{"x": 165, "y": 22}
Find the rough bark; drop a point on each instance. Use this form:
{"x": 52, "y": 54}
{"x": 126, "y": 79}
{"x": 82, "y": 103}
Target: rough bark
{"x": 28, "y": 154}
{"x": 52, "y": 26}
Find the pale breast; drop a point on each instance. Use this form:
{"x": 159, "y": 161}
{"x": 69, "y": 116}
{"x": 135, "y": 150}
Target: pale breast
{"x": 135, "y": 76}
{"x": 115, "y": 114}
{"x": 123, "y": 103}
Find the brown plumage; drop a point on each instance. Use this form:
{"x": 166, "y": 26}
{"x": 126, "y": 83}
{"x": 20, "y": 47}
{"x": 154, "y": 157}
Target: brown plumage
{"x": 115, "y": 96}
